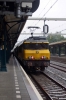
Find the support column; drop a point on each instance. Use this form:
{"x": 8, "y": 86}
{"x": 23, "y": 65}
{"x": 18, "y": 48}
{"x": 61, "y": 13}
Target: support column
{"x": 8, "y": 53}
{"x": 0, "y": 58}
{"x": 54, "y": 50}
{"x": 3, "y": 52}
{"x": 59, "y": 50}
{"x": 65, "y": 49}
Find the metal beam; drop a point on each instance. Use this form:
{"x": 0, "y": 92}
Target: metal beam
{"x": 42, "y": 33}
{"x": 58, "y": 33}
{"x": 47, "y": 19}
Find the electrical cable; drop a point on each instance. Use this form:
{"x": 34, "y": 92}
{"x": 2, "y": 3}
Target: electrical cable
{"x": 58, "y": 26}
{"x": 47, "y": 11}
{"x": 62, "y": 30}
{"x": 43, "y": 9}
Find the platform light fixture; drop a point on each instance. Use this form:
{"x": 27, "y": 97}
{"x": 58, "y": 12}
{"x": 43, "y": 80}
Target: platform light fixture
{"x": 24, "y": 9}
{"x": 26, "y": 4}
{"x": 27, "y": 7}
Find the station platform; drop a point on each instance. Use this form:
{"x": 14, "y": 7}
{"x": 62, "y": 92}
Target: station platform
{"x": 15, "y": 84}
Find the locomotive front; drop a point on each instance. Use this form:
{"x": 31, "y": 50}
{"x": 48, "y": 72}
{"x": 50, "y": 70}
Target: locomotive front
{"x": 36, "y": 54}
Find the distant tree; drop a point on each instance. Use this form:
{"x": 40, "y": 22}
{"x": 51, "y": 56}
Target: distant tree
{"x": 55, "y": 37}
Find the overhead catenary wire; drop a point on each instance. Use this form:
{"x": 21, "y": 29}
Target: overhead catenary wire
{"x": 47, "y": 11}
{"x": 43, "y": 9}
{"x": 58, "y": 26}
{"x": 62, "y": 30}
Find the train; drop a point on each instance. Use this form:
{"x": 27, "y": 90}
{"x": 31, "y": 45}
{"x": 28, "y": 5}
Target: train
{"x": 34, "y": 53}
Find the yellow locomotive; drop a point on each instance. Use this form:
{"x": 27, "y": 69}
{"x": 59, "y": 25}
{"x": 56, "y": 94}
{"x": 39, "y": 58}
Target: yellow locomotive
{"x": 34, "y": 53}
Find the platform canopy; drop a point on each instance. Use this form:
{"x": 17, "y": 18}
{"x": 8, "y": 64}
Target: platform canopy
{"x": 13, "y": 16}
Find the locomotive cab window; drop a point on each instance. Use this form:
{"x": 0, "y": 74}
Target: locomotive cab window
{"x": 36, "y": 46}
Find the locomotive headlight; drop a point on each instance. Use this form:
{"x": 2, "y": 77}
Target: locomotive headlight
{"x": 43, "y": 57}
{"x": 31, "y": 57}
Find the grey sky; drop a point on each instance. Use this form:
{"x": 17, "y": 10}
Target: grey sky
{"x": 57, "y": 11}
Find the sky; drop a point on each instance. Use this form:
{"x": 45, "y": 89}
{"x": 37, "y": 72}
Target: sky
{"x": 46, "y": 10}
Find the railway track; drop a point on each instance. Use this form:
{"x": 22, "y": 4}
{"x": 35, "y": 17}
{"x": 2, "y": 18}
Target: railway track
{"x": 49, "y": 88}
{"x": 59, "y": 59}
{"x": 58, "y": 63}
{"x": 57, "y": 66}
